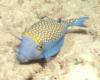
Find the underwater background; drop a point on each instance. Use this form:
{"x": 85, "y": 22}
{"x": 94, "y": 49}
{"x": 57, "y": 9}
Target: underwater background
{"x": 79, "y": 58}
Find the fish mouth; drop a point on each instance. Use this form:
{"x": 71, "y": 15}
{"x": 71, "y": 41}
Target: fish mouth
{"x": 22, "y": 59}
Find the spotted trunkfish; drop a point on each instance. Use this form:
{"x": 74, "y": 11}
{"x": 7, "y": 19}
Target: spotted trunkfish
{"x": 45, "y": 38}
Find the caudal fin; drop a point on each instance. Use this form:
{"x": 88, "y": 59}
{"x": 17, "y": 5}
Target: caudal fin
{"x": 81, "y": 21}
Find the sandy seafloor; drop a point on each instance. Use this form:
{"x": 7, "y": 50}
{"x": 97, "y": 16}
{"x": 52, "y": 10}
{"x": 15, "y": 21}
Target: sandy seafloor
{"x": 79, "y": 58}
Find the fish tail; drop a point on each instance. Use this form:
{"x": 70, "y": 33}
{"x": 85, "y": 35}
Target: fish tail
{"x": 80, "y": 22}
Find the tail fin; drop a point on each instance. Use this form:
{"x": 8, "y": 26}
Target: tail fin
{"x": 77, "y": 22}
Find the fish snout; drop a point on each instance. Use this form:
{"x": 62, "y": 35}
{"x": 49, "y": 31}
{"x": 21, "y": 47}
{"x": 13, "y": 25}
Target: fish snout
{"x": 22, "y": 59}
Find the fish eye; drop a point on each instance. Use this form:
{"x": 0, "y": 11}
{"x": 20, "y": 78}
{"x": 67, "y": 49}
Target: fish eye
{"x": 40, "y": 48}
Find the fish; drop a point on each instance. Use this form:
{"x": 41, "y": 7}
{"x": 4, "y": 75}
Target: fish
{"x": 45, "y": 38}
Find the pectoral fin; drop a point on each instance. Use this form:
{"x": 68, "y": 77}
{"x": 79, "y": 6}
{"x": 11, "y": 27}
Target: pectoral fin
{"x": 54, "y": 50}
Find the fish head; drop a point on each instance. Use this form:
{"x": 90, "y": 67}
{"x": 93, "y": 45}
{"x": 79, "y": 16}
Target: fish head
{"x": 29, "y": 50}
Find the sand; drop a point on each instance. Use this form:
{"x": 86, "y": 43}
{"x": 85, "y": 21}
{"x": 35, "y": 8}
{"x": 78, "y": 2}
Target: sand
{"x": 79, "y": 58}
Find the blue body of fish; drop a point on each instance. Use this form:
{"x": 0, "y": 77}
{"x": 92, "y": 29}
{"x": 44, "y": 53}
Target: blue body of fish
{"x": 45, "y": 38}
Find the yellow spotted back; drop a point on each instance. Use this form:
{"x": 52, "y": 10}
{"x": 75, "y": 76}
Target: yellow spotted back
{"x": 46, "y": 30}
